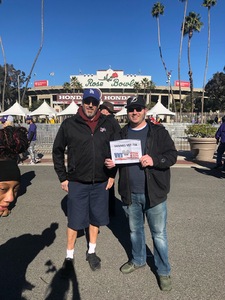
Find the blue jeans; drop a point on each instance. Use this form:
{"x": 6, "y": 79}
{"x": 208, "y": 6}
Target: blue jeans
{"x": 156, "y": 217}
{"x": 32, "y": 151}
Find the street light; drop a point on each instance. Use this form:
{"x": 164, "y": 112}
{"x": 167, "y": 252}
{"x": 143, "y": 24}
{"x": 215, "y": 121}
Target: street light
{"x": 18, "y": 83}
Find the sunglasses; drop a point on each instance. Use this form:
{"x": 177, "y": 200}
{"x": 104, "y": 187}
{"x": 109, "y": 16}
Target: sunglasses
{"x": 88, "y": 101}
{"x": 138, "y": 109}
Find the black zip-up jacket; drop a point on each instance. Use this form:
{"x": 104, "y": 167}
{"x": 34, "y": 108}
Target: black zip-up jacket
{"x": 86, "y": 151}
{"x": 161, "y": 148}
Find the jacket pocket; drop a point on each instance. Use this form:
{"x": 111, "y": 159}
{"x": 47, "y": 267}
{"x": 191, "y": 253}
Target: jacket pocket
{"x": 160, "y": 182}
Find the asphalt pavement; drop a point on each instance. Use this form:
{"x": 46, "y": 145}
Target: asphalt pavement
{"x": 33, "y": 243}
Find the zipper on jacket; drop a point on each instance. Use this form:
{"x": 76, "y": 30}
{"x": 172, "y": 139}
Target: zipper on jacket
{"x": 92, "y": 136}
{"x": 93, "y": 174}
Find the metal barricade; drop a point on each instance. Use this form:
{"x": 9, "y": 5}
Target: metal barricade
{"x": 46, "y": 134}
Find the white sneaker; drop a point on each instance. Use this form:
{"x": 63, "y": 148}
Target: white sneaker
{"x": 32, "y": 163}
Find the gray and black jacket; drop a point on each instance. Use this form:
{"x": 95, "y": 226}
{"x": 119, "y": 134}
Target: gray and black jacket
{"x": 86, "y": 151}
{"x": 161, "y": 148}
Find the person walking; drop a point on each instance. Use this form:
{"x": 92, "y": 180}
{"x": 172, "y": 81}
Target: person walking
{"x": 144, "y": 187}
{"x": 220, "y": 137}
{"x": 86, "y": 136}
{"x": 107, "y": 109}
{"x": 32, "y": 137}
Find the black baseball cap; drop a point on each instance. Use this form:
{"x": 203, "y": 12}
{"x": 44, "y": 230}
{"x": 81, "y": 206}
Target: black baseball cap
{"x": 136, "y": 101}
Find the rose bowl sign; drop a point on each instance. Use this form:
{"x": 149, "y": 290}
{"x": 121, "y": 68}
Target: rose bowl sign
{"x": 111, "y": 79}
{"x": 40, "y": 83}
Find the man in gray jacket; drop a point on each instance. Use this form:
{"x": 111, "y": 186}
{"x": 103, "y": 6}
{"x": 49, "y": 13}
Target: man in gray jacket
{"x": 144, "y": 187}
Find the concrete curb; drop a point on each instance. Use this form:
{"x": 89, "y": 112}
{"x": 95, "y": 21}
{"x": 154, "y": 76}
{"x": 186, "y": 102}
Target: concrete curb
{"x": 182, "y": 162}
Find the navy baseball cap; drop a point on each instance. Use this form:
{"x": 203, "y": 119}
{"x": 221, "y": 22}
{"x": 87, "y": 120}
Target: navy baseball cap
{"x": 6, "y": 118}
{"x": 92, "y": 93}
{"x": 3, "y": 119}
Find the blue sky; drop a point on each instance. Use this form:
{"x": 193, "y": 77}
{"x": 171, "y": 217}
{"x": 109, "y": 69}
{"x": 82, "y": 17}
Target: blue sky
{"x": 86, "y": 36}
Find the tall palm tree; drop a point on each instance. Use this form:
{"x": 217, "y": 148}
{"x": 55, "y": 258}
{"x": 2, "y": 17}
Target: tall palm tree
{"x": 157, "y": 10}
{"x": 208, "y": 4}
{"x": 38, "y": 53}
{"x": 192, "y": 23}
{"x": 180, "y": 50}
{"x": 5, "y": 75}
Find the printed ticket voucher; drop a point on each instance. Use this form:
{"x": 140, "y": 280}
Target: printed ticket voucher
{"x": 126, "y": 151}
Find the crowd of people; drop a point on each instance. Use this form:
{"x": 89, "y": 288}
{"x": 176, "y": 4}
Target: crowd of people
{"x": 89, "y": 173}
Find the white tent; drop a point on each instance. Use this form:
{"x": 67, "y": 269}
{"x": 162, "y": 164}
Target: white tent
{"x": 44, "y": 109}
{"x": 70, "y": 110}
{"x": 160, "y": 109}
{"x": 122, "y": 112}
{"x": 15, "y": 110}
{"x": 27, "y": 112}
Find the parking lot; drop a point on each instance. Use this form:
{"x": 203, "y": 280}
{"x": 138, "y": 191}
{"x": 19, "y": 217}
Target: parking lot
{"x": 33, "y": 243}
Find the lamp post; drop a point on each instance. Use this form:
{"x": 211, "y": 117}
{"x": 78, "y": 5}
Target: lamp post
{"x": 18, "y": 88}
{"x": 169, "y": 89}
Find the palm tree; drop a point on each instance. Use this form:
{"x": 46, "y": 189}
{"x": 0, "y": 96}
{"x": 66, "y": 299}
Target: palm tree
{"x": 38, "y": 53}
{"x": 157, "y": 10}
{"x": 148, "y": 85}
{"x": 67, "y": 87}
{"x": 5, "y": 75}
{"x": 192, "y": 23}
{"x": 180, "y": 51}
{"x": 145, "y": 84}
{"x": 137, "y": 87}
{"x": 208, "y": 4}
{"x": 75, "y": 84}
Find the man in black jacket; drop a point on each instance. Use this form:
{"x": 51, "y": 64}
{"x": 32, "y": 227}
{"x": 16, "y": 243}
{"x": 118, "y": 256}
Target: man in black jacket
{"x": 144, "y": 187}
{"x": 86, "y": 136}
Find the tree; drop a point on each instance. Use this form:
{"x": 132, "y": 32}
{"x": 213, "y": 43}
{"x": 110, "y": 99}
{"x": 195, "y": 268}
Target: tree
{"x": 67, "y": 86}
{"x": 215, "y": 88}
{"x": 157, "y": 10}
{"x": 148, "y": 86}
{"x": 5, "y": 75}
{"x": 12, "y": 86}
{"x": 180, "y": 50}
{"x": 39, "y": 51}
{"x": 137, "y": 87}
{"x": 192, "y": 23}
{"x": 75, "y": 84}
{"x": 208, "y": 4}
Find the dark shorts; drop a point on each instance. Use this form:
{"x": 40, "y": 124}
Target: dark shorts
{"x": 87, "y": 204}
